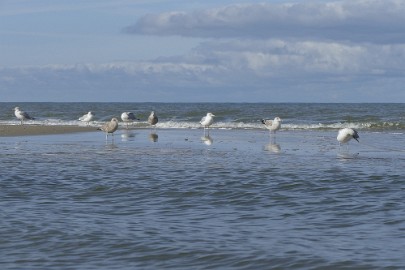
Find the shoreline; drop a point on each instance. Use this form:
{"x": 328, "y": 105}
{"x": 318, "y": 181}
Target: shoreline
{"x": 31, "y": 130}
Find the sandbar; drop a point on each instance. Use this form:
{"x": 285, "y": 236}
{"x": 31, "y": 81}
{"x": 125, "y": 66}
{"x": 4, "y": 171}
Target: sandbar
{"x": 29, "y": 130}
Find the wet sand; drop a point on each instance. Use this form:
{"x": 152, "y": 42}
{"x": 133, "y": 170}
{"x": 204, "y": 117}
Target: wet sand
{"x": 29, "y": 130}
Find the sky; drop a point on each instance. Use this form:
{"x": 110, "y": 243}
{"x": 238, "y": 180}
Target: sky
{"x": 202, "y": 51}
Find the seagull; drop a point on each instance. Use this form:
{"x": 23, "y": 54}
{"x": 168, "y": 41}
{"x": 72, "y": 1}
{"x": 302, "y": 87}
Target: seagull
{"x": 110, "y": 127}
{"x": 21, "y": 115}
{"x": 272, "y": 125}
{"x": 128, "y": 117}
{"x": 346, "y": 134}
{"x": 153, "y": 119}
{"x": 87, "y": 117}
{"x": 207, "y": 120}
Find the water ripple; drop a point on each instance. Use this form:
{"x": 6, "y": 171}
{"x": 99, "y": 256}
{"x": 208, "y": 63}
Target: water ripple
{"x": 86, "y": 205}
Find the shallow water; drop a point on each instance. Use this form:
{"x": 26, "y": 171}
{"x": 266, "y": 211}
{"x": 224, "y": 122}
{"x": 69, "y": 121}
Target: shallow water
{"x": 236, "y": 200}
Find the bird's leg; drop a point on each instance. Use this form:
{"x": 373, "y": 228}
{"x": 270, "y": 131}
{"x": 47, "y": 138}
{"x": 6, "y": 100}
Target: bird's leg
{"x": 272, "y": 138}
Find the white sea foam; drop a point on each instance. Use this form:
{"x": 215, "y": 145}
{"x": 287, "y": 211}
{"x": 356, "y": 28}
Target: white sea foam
{"x": 171, "y": 124}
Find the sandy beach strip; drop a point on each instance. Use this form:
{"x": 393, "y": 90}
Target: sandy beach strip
{"x": 29, "y": 130}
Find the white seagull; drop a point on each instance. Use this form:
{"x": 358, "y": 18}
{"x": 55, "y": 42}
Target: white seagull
{"x": 153, "y": 119}
{"x": 207, "y": 120}
{"x": 21, "y": 115}
{"x": 128, "y": 117}
{"x": 272, "y": 125}
{"x": 110, "y": 127}
{"x": 346, "y": 134}
{"x": 87, "y": 117}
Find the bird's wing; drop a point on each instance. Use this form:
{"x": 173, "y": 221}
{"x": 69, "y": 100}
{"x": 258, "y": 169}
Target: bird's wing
{"x": 268, "y": 122}
{"x": 26, "y": 115}
{"x": 131, "y": 116}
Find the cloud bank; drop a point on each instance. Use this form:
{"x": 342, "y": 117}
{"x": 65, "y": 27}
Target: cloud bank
{"x": 344, "y": 51}
{"x": 373, "y": 21}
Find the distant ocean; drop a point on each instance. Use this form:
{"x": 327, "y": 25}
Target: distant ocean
{"x": 295, "y": 116}
{"x": 175, "y": 197}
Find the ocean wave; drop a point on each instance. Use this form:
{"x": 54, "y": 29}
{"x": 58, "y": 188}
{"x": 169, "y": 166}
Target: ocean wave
{"x": 285, "y": 126}
{"x": 171, "y": 124}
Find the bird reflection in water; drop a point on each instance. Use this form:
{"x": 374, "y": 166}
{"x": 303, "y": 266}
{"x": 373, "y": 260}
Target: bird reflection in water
{"x": 207, "y": 140}
{"x": 127, "y": 135}
{"x": 153, "y": 137}
{"x": 347, "y": 155}
{"x": 273, "y": 148}
{"x": 110, "y": 145}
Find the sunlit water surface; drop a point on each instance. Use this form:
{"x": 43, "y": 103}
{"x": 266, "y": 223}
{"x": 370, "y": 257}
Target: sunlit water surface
{"x": 174, "y": 199}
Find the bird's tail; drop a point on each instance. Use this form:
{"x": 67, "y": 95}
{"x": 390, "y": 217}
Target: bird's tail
{"x": 356, "y": 135}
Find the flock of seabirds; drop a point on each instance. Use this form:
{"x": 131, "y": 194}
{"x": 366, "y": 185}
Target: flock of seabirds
{"x": 344, "y": 135}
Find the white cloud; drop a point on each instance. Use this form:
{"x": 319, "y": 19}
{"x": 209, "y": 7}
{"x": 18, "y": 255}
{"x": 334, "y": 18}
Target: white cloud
{"x": 303, "y": 58}
{"x": 374, "y": 21}
{"x": 246, "y": 70}
{"x": 311, "y": 51}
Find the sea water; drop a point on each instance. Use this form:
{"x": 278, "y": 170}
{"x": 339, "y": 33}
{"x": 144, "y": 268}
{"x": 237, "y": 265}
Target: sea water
{"x": 295, "y": 116}
{"x": 179, "y": 197}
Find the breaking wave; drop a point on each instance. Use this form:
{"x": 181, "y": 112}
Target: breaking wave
{"x": 286, "y": 125}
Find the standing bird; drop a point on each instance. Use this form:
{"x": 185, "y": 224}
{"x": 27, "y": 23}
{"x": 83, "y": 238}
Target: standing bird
{"x": 153, "y": 119}
{"x": 128, "y": 117}
{"x": 346, "y": 134}
{"x": 272, "y": 125}
{"x": 207, "y": 120}
{"x": 21, "y": 115}
{"x": 110, "y": 127}
{"x": 87, "y": 117}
